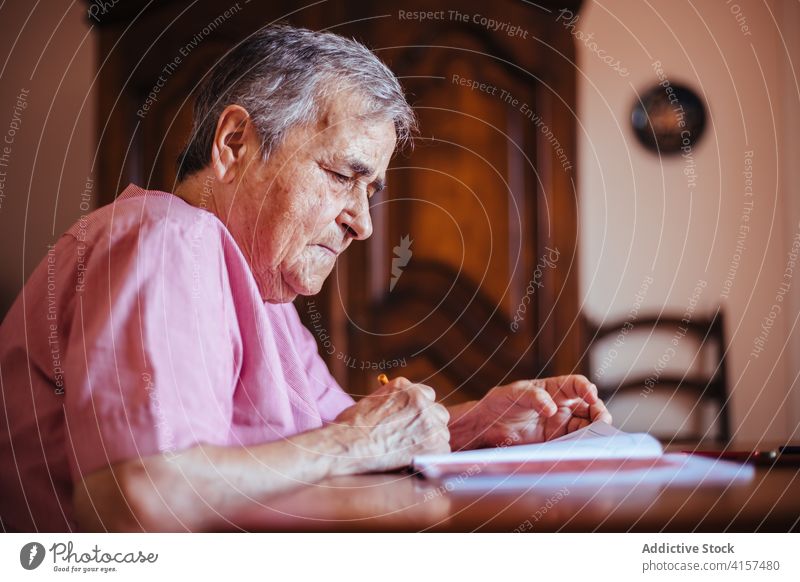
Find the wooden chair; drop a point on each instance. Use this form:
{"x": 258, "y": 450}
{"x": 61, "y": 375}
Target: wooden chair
{"x": 662, "y": 362}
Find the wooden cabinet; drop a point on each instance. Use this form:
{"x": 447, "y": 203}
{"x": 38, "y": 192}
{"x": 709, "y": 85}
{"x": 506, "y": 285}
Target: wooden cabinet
{"x": 479, "y": 221}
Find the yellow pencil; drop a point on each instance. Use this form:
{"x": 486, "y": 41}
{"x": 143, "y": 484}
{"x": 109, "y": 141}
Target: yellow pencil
{"x": 383, "y": 379}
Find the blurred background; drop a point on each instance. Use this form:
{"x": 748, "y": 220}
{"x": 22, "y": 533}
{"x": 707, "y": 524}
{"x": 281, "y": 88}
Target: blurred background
{"x": 608, "y": 188}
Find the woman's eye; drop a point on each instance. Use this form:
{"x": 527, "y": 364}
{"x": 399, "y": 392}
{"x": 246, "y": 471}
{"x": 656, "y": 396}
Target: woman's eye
{"x": 341, "y": 178}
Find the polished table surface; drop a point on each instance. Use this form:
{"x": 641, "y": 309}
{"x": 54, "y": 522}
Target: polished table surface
{"x": 403, "y": 502}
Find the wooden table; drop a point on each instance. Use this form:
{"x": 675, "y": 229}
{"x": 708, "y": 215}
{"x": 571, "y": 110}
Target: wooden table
{"x": 401, "y": 502}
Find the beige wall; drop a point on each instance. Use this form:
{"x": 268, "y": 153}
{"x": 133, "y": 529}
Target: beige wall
{"x": 641, "y": 216}
{"x": 50, "y": 54}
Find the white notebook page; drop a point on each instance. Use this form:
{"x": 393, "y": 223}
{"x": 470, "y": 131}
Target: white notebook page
{"x": 599, "y": 440}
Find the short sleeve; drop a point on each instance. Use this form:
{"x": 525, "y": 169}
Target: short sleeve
{"x": 152, "y": 349}
{"x": 330, "y": 397}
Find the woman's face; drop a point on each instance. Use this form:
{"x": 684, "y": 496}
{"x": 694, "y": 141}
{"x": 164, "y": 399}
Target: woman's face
{"x": 294, "y": 213}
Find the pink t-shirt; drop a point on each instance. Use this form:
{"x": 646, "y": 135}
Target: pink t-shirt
{"x": 143, "y": 331}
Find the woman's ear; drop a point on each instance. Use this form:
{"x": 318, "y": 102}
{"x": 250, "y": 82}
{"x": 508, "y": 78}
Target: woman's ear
{"x": 234, "y": 143}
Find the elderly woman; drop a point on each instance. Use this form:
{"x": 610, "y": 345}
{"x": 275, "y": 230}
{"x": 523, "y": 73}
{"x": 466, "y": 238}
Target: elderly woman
{"x": 154, "y": 371}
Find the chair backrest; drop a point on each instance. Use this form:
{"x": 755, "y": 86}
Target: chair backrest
{"x": 664, "y": 375}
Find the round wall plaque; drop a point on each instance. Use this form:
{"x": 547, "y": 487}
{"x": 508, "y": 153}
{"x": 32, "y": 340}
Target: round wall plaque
{"x": 668, "y": 119}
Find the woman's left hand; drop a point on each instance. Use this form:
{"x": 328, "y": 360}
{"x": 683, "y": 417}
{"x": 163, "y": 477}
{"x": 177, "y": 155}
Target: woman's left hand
{"x": 534, "y": 411}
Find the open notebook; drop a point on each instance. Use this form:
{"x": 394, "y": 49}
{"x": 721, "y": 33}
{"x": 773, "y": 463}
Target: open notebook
{"x": 594, "y": 455}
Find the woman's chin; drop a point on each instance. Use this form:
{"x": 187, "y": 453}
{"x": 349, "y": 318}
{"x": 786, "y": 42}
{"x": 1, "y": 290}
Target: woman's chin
{"x": 289, "y": 288}
{"x": 308, "y": 288}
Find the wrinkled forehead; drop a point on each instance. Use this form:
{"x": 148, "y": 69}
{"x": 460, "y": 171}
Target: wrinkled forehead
{"x": 348, "y": 127}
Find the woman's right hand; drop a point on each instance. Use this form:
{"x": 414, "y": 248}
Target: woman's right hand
{"x": 388, "y": 428}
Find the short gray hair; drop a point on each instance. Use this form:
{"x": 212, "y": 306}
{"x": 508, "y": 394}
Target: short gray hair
{"x": 283, "y": 76}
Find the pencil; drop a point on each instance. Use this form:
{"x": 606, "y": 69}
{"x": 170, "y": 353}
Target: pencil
{"x": 383, "y": 379}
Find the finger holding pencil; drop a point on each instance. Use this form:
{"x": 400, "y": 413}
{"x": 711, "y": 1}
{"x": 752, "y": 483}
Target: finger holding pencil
{"x": 395, "y": 423}
{"x": 384, "y": 380}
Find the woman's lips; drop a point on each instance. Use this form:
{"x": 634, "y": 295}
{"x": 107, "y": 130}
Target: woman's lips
{"x": 329, "y": 249}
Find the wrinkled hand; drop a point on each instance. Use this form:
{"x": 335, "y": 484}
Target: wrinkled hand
{"x": 386, "y": 429}
{"x": 534, "y": 411}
